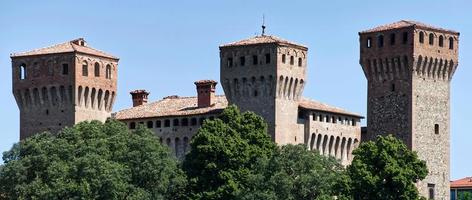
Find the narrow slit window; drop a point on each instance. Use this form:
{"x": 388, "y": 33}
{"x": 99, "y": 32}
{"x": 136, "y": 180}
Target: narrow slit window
{"x": 369, "y": 42}
{"x": 380, "y": 40}
{"x": 436, "y": 129}
{"x": 65, "y": 69}
{"x": 283, "y": 58}
{"x": 405, "y": 37}
{"x": 421, "y": 37}
{"x": 431, "y": 39}
{"x": 299, "y": 62}
{"x": 291, "y": 60}
{"x": 229, "y": 62}
{"x": 22, "y": 72}
{"x": 392, "y": 39}
{"x": 267, "y": 58}
{"x": 451, "y": 43}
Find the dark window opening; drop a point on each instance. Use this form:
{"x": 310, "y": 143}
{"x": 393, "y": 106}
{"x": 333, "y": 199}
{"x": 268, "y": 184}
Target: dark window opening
{"x": 431, "y": 39}
{"x": 369, "y": 42}
{"x": 175, "y": 122}
{"x": 430, "y": 191}
{"x": 255, "y": 93}
{"x": 353, "y": 122}
{"x": 328, "y": 119}
{"x": 299, "y": 62}
{"x": 283, "y": 58}
{"x": 132, "y": 125}
{"x": 229, "y": 63}
{"x": 451, "y": 43}
{"x": 254, "y": 60}
{"x": 65, "y": 69}
{"x": 150, "y": 124}
{"x": 47, "y": 112}
{"x": 392, "y": 39}
{"x": 158, "y": 124}
{"x": 405, "y": 37}
{"x": 166, "y": 123}
{"x": 193, "y": 121}
{"x": 301, "y": 115}
{"x": 291, "y": 60}
{"x": 380, "y": 40}
{"x": 436, "y": 129}
{"x": 242, "y": 60}
{"x": 185, "y": 122}
{"x": 97, "y": 70}
{"x": 22, "y": 74}
{"x": 441, "y": 41}
{"x": 84, "y": 69}
{"x": 202, "y": 120}
{"x": 267, "y": 58}
{"x": 421, "y": 37}
{"x": 333, "y": 119}
{"x": 392, "y": 87}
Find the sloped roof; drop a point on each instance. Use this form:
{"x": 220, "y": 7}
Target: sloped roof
{"x": 404, "y": 24}
{"x": 316, "y": 105}
{"x": 77, "y": 45}
{"x": 262, "y": 39}
{"x": 462, "y": 183}
{"x": 182, "y": 106}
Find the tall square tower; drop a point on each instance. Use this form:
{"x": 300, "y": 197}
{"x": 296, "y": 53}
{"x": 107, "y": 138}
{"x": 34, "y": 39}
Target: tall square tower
{"x": 409, "y": 66}
{"x": 266, "y": 74}
{"x": 62, "y": 85}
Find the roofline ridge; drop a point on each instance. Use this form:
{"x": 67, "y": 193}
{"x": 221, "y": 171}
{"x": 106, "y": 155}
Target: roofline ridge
{"x": 37, "y": 49}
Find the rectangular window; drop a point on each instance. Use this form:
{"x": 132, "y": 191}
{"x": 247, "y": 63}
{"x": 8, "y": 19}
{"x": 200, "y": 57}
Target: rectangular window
{"x": 405, "y": 37}
{"x": 254, "y": 60}
{"x": 230, "y": 62}
{"x": 436, "y": 129}
{"x": 267, "y": 58}
{"x": 65, "y": 69}
{"x": 430, "y": 191}
{"x": 392, "y": 39}
{"x": 84, "y": 70}
{"x": 369, "y": 42}
{"x": 158, "y": 124}
{"x": 242, "y": 60}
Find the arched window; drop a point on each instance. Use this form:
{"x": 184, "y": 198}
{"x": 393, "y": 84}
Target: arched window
{"x": 22, "y": 71}
{"x": 421, "y": 37}
{"x": 108, "y": 72}
{"x": 150, "y": 124}
{"x": 97, "y": 69}
{"x": 441, "y": 41}
{"x": 283, "y": 58}
{"x": 431, "y": 39}
{"x": 193, "y": 121}
{"x": 436, "y": 129}
{"x": 166, "y": 123}
{"x": 84, "y": 68}
{"x": 132, "y": 125}
{"x": 158, "y": 124}
{"x": 185, "y": 122}
{"x": 368, "y": 43}
{"x": 176, "y": 122}
{"x": 299, "y": 62}
{"x": 392, "y": 39}
{"x": 291, "y": 60}
{"x": 380, "y": 40}
{"x": 451, "y": 43}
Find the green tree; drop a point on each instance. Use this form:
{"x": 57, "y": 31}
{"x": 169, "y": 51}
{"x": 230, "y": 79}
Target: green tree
{"x": 385, "y": 169}
{"x": 464, "y": 196}
{"x": 296, "y": 173}
{"x": 224, "y": 154}
{"x": 91, "y": 161}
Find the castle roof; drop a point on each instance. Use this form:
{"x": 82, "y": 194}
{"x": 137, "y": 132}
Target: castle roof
{"x": 78, "y": 45}
{"x": 462, "y": 183}
{"x": 263, "y": 39}
{"x": 184, "y": 106}
{"x": 405, "y": 24}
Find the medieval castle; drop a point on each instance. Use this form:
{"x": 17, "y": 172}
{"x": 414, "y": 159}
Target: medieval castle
{"x": 408, "y": 65}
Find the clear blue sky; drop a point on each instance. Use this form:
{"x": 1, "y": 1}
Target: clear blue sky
{"x": 165, "y": 46}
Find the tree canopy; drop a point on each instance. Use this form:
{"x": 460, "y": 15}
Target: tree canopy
{"x": 385, "y": 169}
{"x": 91, "y": 161}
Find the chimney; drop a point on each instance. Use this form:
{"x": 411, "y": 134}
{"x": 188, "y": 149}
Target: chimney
{"x": 139, "y": 97}
{"x": 206, "y": 92}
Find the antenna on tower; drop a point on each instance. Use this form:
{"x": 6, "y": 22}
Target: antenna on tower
{"x": 263, "y": 24}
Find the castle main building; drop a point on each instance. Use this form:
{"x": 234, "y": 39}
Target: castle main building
{"x": 263, "y": 74}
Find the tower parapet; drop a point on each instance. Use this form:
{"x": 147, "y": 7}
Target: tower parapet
{"x": 61, "y": 85}
{"x": 408, "y": 66}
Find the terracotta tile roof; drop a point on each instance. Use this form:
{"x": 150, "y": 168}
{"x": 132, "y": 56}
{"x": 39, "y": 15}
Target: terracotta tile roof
{"x": 171, "y": 106}
{"x": 262, "y": 39}
{"x": 404, "y": 24}
{"x": 461, "y": 183}
{"x": 316, "y": 105}
{"x": 77, "y": 45}
{"x": 182, "y": 106}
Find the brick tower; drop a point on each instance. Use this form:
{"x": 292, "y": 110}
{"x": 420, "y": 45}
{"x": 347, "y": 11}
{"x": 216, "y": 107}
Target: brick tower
{"x": 266, "y": 74}
{"x": 62, "y": 85}
{"x": 408, "y": 66}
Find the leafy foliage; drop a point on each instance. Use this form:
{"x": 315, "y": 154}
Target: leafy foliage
{"x": 464, "y": 196}
{"x": 296, "y": 173}
{"x": 224, "y": 154}
{"x": 91, "y": 161}
{"x": 385, "y": 169}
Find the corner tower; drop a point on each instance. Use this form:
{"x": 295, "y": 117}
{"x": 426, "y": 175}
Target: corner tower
{"x": 266, "y": 75}
{"x": 409, "y": 66}
{"x": 62, "y": 85}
